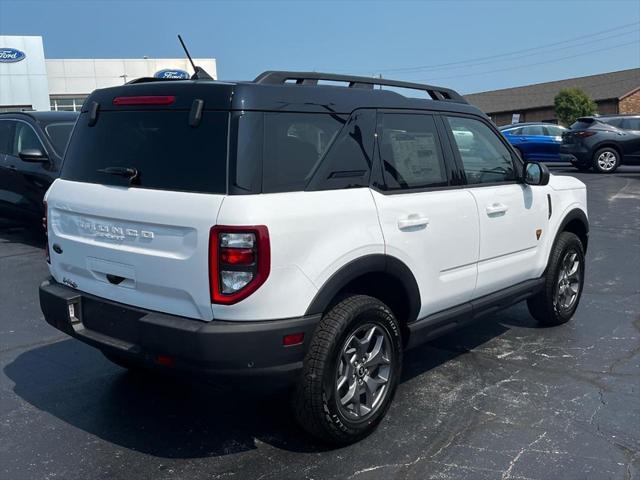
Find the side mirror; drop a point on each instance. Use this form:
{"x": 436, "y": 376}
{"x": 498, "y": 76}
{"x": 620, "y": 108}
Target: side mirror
{"x": 536, "y": 174}
{"x": 34, "y": 155}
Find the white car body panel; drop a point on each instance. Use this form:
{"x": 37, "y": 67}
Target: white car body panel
{"x": 312, "y": 236}
{"x": 509, "y": 217}
{"x": 443, "y": 253}
{"x": 157, "y": 240}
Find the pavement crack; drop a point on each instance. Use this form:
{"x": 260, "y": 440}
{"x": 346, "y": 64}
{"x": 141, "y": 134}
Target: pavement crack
{"x": 507, "y": 473}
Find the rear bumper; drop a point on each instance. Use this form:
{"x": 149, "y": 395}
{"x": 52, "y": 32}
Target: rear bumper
{"x": 216, "y": 347}
{"x": 575, "y": 154}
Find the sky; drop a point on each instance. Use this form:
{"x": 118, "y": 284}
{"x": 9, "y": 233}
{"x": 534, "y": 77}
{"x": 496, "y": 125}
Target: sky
{"x": 470, "y": 46}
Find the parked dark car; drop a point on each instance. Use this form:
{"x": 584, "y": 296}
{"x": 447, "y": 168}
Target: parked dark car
{"x": 602, "y": 143}
{"x": 535, "y": 141}
{"x": 32, "y": 146}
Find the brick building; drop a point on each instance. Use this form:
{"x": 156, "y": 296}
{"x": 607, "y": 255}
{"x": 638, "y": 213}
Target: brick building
{"x": 614, "y": 92}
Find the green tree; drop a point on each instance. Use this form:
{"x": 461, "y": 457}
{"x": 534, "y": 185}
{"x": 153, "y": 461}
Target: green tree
{"x": 571, "y": 103}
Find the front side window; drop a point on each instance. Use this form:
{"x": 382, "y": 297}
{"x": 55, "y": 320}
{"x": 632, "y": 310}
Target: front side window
{"x": 410, "y": 152}
{"x": 484, "y": 157}
{"x": 294, "y": 144}
{"x": 25, "y": 138}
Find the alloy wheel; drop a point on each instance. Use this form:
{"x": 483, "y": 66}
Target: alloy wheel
{"x": 568, "y": 285}
{"x": 607, "y": 160}
{"x": 363, "y": 372}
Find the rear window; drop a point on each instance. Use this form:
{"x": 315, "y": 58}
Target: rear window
{"x": 167, "y": 153}
{"x": 581, "y": 124}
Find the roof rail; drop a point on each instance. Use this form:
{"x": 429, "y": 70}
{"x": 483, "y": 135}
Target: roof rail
{"x": 312, "y": 78}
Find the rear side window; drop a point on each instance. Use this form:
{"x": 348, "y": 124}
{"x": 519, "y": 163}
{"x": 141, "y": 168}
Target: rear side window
{"x": 59, "y": 134}
{"x": 410, "y": 152}
{"x": 6, "y": 136}
{"x": 347, "y": 163}
{"x": 167, "y": 153}
{"x": 631, "y": 123}
{"x": 294, "y": 144}
{"x": 484, "y": 157}
{"x": 533, "y": 130}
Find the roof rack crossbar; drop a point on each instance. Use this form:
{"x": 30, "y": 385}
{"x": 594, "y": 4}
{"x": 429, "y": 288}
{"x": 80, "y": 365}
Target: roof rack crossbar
{"x": 312, "y": 78}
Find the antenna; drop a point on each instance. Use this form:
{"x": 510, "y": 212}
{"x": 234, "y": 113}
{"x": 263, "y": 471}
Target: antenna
{"x": 199, "y": 72}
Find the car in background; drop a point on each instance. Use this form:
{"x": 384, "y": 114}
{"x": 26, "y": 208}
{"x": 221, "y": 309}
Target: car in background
{"x": 535, "y": 141}
{"x": 602, "y": 143}
{"x": 32, "y": 146}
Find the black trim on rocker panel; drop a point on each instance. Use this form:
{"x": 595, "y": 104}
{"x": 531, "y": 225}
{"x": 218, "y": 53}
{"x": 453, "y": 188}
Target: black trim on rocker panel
{"x": 442, "y": 322}
{"x": 375, "y": 263}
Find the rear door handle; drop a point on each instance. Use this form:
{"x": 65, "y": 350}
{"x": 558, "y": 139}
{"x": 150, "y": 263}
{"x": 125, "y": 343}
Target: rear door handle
{"x": 412, "y": 221}
{"x": 496, "y": 208}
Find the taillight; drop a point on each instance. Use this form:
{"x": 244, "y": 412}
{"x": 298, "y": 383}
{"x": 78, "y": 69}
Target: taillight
{"x": 145, "y": 100}
{"x": 584, "y": 133}
{"x": 46, "y": 233}
{"x": 239, "y": 262}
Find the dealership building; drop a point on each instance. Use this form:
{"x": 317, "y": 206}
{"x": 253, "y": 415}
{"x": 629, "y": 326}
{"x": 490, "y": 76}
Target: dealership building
{"x": 30, "y": 81}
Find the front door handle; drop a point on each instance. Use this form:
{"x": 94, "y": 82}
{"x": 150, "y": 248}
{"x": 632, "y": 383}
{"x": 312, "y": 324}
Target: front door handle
{"x": 412, "y": 221}
{"x": 496, "y": 208}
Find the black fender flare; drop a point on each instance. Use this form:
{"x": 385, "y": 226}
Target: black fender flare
{"x": 576, "y": 214}
{"x": 374, "y": 263}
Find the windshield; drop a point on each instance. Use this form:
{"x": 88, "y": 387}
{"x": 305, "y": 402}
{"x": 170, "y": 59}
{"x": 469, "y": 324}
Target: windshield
{"x": 59, "y": 134}
{"x": 160, "y": 146}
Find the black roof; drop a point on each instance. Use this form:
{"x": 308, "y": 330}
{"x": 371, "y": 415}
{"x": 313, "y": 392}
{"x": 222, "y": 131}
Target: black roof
{"x": 272, "y": 91}
{"x": 45, "y": 117}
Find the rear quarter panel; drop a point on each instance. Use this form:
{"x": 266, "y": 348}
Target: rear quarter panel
{"x": 312, "y": 235}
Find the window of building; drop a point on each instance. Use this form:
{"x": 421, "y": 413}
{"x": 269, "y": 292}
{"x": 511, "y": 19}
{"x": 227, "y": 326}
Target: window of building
{"x": 67, "y": 104}
{"x": 410, "y": 152}
{"x": 484, "y": 157}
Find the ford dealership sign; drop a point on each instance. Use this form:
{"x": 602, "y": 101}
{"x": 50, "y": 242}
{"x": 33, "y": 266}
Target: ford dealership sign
{"x": 11, "y": 55}
{"x": 172, "y": 73}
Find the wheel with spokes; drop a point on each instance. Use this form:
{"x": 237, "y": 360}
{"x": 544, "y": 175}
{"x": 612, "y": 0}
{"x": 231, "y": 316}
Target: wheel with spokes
{"x": 350, "y": 372}
{"x": 606, "y": 160}
{"x": 564, "y": 280}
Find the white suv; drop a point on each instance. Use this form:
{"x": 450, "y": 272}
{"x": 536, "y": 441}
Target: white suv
{"x": 300, "y": 230}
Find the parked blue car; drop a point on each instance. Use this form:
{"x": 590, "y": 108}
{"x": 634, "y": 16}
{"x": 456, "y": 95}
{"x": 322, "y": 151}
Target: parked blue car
{"x": 535, "y": 141}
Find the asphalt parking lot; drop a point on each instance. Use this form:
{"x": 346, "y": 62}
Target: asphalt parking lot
{"x": 502, "y": 399}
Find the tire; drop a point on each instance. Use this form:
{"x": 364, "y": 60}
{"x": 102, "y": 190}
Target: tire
{"x": 606, "y": 160}
{"x": 321, "y": 404}
{"x": 560, "y": 296}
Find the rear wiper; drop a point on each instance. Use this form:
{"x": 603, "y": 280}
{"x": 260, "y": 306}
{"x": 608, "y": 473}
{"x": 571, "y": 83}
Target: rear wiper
{"x": 131, "y": 173}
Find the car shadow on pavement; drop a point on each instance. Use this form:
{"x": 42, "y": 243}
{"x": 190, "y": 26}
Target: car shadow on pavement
{"x": 172, "y": 417}
{"x": 14, "y": 233}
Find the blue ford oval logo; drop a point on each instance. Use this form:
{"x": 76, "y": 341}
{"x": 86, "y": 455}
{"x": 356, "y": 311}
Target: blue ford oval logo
{"x": 11, "y": 55}
{"x": 172, "y": 73}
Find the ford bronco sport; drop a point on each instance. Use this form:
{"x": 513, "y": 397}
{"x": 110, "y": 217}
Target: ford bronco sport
{"x": 305, "y": 226}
